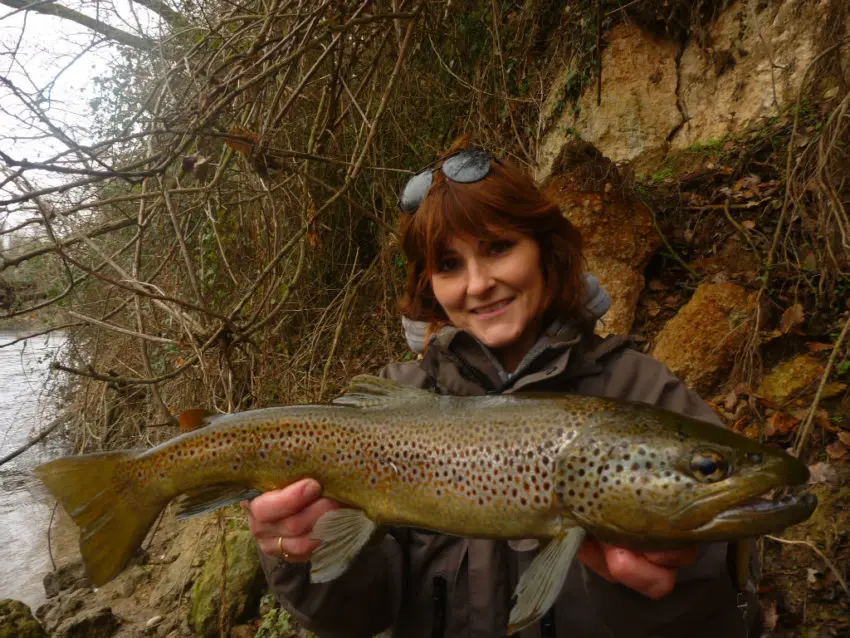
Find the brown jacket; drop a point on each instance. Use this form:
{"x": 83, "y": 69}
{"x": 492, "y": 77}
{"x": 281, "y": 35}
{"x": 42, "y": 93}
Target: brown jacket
{"x": 415, "y": 583}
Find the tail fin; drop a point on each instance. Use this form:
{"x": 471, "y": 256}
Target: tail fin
{"x": 113, "y": 517}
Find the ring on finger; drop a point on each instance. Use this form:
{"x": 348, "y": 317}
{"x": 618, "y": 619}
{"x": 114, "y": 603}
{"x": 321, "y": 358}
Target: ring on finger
{"x": 283, "y": 554}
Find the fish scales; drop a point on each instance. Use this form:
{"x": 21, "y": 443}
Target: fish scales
{"x": 474, "y": 473}
{"x": 554, "y": 467}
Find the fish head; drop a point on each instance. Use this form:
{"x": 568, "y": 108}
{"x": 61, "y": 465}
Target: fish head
{"x": 649, "y": 478}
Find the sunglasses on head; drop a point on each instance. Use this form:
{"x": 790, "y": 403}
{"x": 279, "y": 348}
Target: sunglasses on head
{"x": 465, "y": 167}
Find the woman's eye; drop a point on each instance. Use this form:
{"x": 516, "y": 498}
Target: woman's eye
{"x": 500, "y": 245}
{"x": 448, "y": 264}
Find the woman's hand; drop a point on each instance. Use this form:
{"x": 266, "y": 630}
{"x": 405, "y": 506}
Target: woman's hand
{"x": 282, "y": 520}
{"x": 653, "y": 574}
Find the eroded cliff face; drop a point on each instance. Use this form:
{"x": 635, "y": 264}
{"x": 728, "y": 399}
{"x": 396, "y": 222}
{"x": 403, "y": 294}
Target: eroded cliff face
{"x": 657, "y": 95}
{"x": 662, "y": 98}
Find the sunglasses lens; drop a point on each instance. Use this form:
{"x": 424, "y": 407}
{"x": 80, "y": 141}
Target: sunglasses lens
{"x": 471, "y": 165}
{"x": 414, "y": 191}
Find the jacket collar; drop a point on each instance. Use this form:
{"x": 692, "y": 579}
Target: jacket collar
{"x": 460, "y": 364}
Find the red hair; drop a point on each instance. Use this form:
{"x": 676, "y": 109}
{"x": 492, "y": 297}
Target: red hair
{"x": 506, "y": 201}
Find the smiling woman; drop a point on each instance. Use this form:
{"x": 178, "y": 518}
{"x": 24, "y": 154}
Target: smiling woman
{"x": 494, "y": 289}
{"x": 495, "y": 270}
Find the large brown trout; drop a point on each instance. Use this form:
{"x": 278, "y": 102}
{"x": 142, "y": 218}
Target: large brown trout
{"x": 548, "y": 466}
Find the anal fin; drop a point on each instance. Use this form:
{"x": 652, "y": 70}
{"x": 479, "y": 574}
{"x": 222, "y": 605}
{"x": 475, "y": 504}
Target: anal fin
{"x": 539, "y": 586}
{"x": 212, "y": 497}
{"x": 343, "y": 533}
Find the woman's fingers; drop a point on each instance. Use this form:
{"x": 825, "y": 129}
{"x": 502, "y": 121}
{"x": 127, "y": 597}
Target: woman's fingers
{"x": 673, "y": 559}
{"x": 279, "y": 504}
{"x": 282, "y": 520}
{"x": 301, "y": 524}
{"x": 591, "y": 554}
{"x": 292, "y": 550}
{"x": 637, "y": 572}
{"x": 653, "y": 574}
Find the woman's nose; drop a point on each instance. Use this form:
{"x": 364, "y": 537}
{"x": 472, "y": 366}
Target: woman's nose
{"x": 480, "y": 279}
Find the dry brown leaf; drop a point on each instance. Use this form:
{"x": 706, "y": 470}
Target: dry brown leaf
{"x": 821, "y": 418}
{"x": 749, "y": 224}
{"x": 242, "y": 140}
{"x": 823, "y": 472}
{"x": 837, "y": 450}
{"x": 844, "y": 437}
{"x": 780, "y": 423}
{"x": 730, "y": 401}
{"x": 791, "y": 318}
{"x": 816, "y": 346}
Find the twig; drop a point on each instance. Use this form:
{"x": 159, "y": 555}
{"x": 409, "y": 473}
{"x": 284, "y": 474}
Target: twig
{"x": 55, "y": 423}
{"x": 803, "y": 431}
{"x": 354, "y": 284}
{"x": 666, "y": 243}
{"x": 598, "y": 52}
{"x": 823, "y": 557}
{"x": 223, "y": 615}
{"x": 497, "y": 44}
{"x": 741, "y": 230}
{"x": 49, "y": 529}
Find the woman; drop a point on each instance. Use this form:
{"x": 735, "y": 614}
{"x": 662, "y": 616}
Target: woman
{"x": 496, "y": 271}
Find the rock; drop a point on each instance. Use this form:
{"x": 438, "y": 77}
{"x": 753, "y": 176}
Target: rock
{"x": 58, "y": 609}
{"x": 93, "y": 623}
{"x": 832, "y": 390}
{"x": 790, "y": 379}
{"x": 699, "y": 344}
{"x": 17, "y": 621}
{"x": 70, "y": 576}
{"x": 129, "y": 580}
{"x": 618, "y": 233}
{"x": 746, "y": 66}
{"x": 244, "y": 584}
{"x": 193, "y": 542}
{"x": 753, "y": 68}
{"x": 153, "y": 622}
{"x": 638, "y": 109}
{"x": 168, "y": 626}
{"x": 243, "y": 631}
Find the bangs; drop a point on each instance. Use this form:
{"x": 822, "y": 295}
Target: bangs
{"x": 465, "y": 212}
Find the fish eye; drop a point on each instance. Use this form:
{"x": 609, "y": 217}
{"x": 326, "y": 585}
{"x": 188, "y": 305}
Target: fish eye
{"x": 708, "y": 467}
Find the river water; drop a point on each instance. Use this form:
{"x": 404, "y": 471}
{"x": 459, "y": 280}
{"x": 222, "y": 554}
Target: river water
{"x": 25, "y": 507}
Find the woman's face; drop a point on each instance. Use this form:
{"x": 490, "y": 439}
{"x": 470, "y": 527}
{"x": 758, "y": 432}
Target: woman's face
{"x": 493, "y": 289}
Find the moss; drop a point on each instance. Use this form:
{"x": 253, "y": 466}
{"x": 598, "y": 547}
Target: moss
{"x": 244, "y": 580}
{"x": 17, "y": 621}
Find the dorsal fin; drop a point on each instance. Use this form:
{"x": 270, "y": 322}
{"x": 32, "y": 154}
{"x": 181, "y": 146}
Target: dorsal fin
{"x": 194, "y": 418}
{"x": 369, "y": 391}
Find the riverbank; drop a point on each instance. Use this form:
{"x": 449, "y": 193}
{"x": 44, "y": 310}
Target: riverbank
{"x": 158, "y": 594}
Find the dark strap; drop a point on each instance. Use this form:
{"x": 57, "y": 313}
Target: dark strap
{"x": 547, "y": 624}
{"x": 438, "y": 598}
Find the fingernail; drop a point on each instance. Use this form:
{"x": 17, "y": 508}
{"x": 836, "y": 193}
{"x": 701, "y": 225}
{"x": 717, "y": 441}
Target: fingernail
{"x": 312, "y": 490}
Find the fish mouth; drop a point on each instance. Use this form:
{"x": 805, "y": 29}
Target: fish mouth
{"x": 761, "y": 515}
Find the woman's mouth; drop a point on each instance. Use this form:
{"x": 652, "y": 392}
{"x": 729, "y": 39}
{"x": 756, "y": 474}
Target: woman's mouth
{"x": 493, "y": 308}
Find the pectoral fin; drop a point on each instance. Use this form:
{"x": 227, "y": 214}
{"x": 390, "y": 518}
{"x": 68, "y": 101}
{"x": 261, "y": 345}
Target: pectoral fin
{"x": 343, "y": 533}
{"x": 541, "y": 583}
